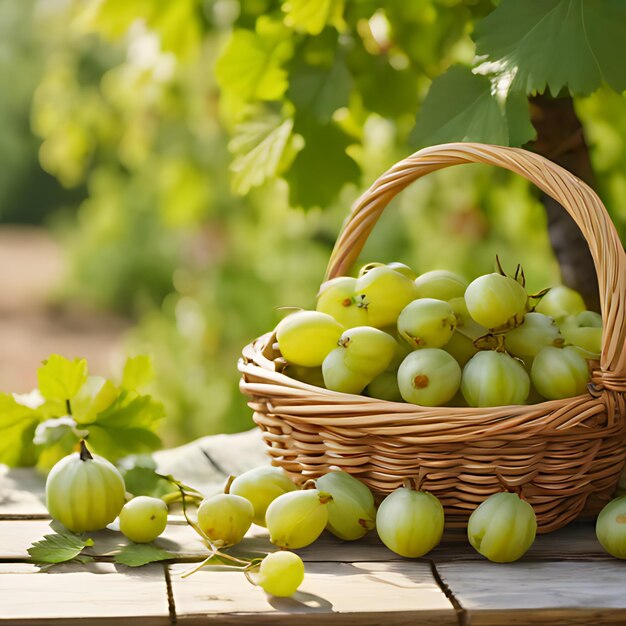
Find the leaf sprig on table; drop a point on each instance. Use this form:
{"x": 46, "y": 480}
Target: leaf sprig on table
{"x": 60, "y": 547}
{"x": 45, "y": 425}
{"x": 63, "y": 546}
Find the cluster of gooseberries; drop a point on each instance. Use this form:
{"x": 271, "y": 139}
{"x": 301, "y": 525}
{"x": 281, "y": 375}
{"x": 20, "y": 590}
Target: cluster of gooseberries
{"x": 436, "y": 340}
{"x": 85, "y": 492}
{"x": 409, "y": 521}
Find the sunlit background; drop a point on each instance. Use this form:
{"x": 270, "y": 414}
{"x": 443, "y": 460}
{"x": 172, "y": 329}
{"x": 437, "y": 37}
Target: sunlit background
{"x": 151, "y": 204}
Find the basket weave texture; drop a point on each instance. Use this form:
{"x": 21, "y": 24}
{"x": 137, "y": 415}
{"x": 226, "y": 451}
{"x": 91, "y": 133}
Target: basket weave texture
{"x": 563, "y": 456}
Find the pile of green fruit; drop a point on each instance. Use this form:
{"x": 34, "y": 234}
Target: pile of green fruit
{"x": 435, "y": 339}
{"x": 86, "y": 492}
{"x": 409, "y": 522}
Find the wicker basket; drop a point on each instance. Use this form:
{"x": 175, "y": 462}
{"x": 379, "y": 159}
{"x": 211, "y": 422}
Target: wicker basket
{"x": 564, "y": 456}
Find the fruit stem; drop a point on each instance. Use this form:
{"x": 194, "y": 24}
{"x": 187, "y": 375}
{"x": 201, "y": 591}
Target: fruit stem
{"x": 85, "y": 455}
{"x": 213, "y": 554}
{"x": 229, "y": 482}
{"x": 246, "y": 573}
{"x": 174, "y": 496}
{"x": 507, "y": 486}
{"x": 499, "y": 266}
{"x": 500, "y": 347}
{"x": 415, "y": 483}
{"x": 325, "y": 497}
{"x": 486, "y": 342}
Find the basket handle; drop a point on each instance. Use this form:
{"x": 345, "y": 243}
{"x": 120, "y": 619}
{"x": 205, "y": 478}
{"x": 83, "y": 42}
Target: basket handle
{"x": 578, "y": 199}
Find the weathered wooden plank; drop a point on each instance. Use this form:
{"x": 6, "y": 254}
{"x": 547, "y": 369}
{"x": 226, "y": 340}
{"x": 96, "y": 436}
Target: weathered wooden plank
{"x": 575, "y": 542}
{"x": 334, "y": 593}
{"x": 17, "y": 535}
{"x": 95, "y": 593}
{"x": 538, "y": 593}
{"x": 21, "y": 493}
{"x": 206, "y": 463}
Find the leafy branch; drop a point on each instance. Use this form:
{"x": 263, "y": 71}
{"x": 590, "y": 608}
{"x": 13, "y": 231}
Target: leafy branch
{"x": 69, "y": 404}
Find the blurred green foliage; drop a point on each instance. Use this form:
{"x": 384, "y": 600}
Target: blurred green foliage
{"x": 221, "y": 142}
{"x": 27, "y": 192}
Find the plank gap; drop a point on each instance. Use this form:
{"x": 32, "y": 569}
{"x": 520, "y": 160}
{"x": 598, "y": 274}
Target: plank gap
{"x": 171, "y": 604}
{"x": 8, "y": 517}
{"x": 461, "y": 613}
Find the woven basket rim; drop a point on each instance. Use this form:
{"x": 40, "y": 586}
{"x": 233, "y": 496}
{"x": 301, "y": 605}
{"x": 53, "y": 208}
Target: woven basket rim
{"x": 383, "y": 413}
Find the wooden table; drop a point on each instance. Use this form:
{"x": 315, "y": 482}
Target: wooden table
{"x": 566, "y": 577}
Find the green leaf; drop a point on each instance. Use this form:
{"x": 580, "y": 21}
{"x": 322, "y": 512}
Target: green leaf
{"x": 95, "y": 396}
{"x": 387, "y": 91}
{"x": 138, "y": 372}
{"x": 460, "y": 107}
{"x": 319, "y": 90}
{"x": 114, "y": 443}
{"x": 138, "y": 554}
{"x": 557, "y": 43}
{"x": 517, "y": 112}
{"x": 126, "y": 427}
{"x": 322, "y": 168}
{"x": 466, "y": 106}
{"x": 311, "y": 16}
{"x": 262, "y": 150}
{"x": 58, "y": 548}
{"x": 17, "y": 429}
{"x": 61, "y": 379}
{"x": 130, "y": 410}
{"x": 250, "y": 65}
{"x": 51, "y": 454}
{"x": 144, "y": 481}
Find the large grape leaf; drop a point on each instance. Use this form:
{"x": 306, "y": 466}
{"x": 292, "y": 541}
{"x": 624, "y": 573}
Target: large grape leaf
{"x": 387, "y": 91}
{"x": 322, "y": 167}
{"x": 261, "y": 150}
{"x": 250, "y": 65}
{"x": 319, "y": 90}
{"x": 557, "y": 43}
{"x": 517, "y": 114}
{"x": 462, "y": 106}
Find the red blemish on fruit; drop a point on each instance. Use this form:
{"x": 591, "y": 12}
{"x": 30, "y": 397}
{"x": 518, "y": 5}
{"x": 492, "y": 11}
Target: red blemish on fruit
{"x": 347, "y": 302}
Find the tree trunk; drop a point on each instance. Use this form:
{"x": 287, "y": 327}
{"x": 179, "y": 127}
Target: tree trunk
{"x": 560, "y": 138}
